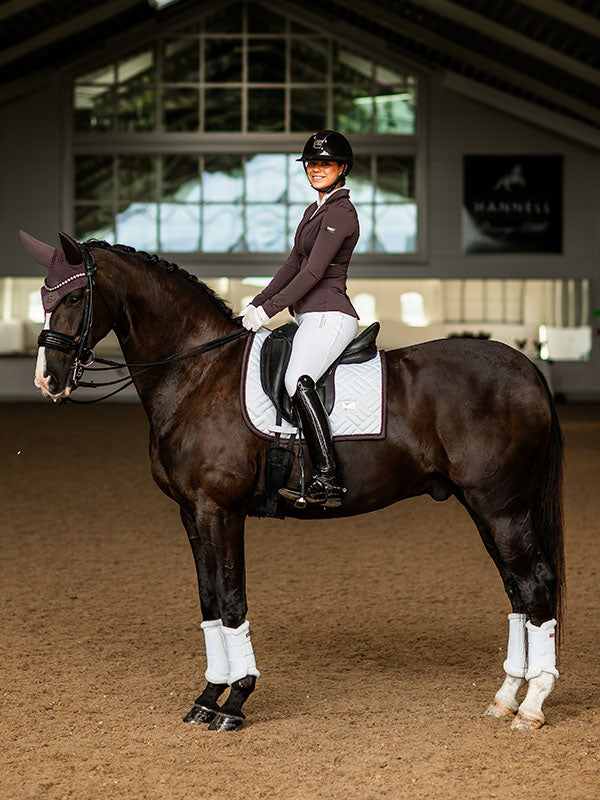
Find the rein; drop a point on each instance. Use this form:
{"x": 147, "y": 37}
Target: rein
{"x": 85, "y": 357}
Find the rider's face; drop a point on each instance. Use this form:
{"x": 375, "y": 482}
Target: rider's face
{"x": 321, "y": 174}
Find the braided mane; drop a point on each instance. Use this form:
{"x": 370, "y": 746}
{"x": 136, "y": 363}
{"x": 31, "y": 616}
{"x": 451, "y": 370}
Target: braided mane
{"x": 166, "y": 266}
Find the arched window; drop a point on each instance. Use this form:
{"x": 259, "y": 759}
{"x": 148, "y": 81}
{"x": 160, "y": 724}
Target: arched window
{"x": 413, "y": 309}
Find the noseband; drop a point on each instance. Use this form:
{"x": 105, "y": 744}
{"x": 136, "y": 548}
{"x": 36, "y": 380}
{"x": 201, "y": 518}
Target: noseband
{"x": 73, "y": 344}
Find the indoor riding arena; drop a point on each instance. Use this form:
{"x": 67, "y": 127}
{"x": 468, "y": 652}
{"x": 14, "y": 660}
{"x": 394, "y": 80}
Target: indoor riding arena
{"x": 164, "y": 140}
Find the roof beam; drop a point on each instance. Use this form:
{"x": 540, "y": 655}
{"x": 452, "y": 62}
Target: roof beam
{"x": 13, "y": 7}
{"x": 540, "y": 117}
{"x": 66, "y": 29}
{"x": 501, "y": 33}
{"x": 476, "y": 61}
{"x": 567, "y": 14}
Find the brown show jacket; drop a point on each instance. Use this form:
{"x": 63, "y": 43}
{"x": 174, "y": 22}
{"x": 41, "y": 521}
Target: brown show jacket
{"x": 313, "y": 278}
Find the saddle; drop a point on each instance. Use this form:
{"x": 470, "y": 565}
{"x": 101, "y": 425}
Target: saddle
{"x": 275, "y": 355}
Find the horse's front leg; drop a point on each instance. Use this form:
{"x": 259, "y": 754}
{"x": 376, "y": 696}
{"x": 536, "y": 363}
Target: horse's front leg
{"x": 217, "y": 540}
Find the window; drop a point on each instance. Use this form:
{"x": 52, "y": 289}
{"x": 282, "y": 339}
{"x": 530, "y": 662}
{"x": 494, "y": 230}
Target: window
{"x": 232, "y": 203}
{"x": 413, "y": 309}
{"x": 244, "y": 72}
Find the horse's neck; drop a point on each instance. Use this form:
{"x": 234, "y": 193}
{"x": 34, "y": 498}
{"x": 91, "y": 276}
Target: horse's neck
{"x": 160, "y": 314}
{"x": 157, "y": 316}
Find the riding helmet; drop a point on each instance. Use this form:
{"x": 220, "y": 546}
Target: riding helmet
{"x": 328, "y": 146}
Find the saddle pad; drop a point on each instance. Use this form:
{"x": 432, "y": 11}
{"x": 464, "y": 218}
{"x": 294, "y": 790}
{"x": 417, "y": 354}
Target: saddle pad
{"x": 360, "y": 398}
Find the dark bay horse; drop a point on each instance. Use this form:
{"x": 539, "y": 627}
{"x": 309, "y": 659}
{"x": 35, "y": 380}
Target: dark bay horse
{"x": 468, "y": 418}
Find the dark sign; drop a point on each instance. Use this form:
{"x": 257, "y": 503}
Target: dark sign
{"x": 512, "y": 204}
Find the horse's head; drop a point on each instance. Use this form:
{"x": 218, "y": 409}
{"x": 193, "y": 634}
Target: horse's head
{"x": 72, "y": 325}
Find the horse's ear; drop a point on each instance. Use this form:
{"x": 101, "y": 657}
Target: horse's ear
{"x": 42, "y": 253}
{"x": 71, "y": 249}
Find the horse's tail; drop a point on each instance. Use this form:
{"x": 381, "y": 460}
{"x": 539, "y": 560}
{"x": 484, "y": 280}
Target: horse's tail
{"x": 547, "y": 509}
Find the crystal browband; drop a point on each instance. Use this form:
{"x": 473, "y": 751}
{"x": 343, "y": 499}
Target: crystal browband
{"x": 62, "y": 283}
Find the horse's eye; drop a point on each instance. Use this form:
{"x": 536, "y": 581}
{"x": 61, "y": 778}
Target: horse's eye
{"x": 75, "y": 299}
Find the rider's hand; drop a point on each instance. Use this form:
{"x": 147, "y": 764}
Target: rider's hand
{"x": 254, "y": 318}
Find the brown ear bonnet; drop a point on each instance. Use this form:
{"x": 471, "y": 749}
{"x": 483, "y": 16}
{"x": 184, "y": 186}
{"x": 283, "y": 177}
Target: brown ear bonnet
{"x": 66, "y": 271}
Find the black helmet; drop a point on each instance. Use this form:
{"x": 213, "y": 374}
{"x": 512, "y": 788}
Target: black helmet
{"x": 328, "y": 146}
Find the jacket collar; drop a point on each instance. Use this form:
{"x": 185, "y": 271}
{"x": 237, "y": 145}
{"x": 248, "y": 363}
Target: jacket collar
{"x": 333, "y": 197}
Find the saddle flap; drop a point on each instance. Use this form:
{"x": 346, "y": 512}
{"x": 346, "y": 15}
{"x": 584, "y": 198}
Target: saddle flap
{"x": 274, "y": 358}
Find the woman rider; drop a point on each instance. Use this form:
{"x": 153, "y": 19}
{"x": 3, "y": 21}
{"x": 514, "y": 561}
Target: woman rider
{"x": 312, "y": 283}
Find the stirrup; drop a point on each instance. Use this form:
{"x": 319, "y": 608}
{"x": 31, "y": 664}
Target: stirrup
{"x": 319, "y": 491}
{"x": 324, "y": 491}
{"x": 298, "y": 499}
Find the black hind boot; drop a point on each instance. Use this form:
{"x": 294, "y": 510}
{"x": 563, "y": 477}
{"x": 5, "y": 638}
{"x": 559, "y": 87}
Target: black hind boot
{"x": 324, "y": 487}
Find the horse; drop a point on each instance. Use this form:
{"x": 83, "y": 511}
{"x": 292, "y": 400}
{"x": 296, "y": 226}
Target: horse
{"x": 473, "y": 419}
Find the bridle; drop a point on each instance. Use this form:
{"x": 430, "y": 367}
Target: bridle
{"x": 84, "y": 355}
{"x": 81, "y": 345}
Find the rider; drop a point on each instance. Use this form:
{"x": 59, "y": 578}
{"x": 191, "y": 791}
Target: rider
{"x": 312, "y": 282}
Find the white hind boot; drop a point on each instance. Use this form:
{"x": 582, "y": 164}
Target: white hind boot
{"x": 505, "y": 701}
{"x": 541, "y": 675}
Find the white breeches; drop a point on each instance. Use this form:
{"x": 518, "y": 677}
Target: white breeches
{"x": 229, "y": 653}
{"x": 321, "y": 337}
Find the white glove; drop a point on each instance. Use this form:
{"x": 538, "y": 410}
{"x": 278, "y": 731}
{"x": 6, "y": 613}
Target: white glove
{"x": 254, "y": 318}
{"x": 242, "y": 313}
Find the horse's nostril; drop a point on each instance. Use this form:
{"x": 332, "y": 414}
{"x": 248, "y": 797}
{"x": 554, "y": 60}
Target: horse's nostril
{"x": 52, "y": 384}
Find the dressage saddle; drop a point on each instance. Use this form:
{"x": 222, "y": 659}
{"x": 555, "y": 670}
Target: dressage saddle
{"x": 275, "y": 355}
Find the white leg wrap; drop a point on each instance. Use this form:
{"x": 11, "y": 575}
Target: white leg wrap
{"x": 239, "y": 652}
{"x": 216, "y": 653}
{"x": 516, "y": 658}
{"x": 541, "y": 649}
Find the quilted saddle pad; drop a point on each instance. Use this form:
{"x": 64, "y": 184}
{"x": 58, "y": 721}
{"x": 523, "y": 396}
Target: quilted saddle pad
{"x": 359, "y": 410}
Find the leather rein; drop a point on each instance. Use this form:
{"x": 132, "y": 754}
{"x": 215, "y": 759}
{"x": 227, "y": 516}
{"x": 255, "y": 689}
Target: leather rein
{"x": 84, "y": 355}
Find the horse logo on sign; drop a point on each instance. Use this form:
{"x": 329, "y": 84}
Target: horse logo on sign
{"x": 511, "y": 179}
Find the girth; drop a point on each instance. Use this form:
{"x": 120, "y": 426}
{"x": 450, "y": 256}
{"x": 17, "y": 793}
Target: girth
{"x": 275, "y": 356}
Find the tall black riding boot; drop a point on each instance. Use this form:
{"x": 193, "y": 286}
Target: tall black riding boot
{"x": 324, "y": 487}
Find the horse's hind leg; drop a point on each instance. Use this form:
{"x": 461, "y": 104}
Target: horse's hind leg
{"x": 530, "y": 583}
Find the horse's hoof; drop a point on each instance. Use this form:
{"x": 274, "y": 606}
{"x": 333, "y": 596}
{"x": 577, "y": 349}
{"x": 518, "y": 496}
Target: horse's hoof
{"x": 200, "y": 714}
{"x": 499, "y": 711}
{"x": 527, "y": 722}
{"x": 226, "y": 722}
